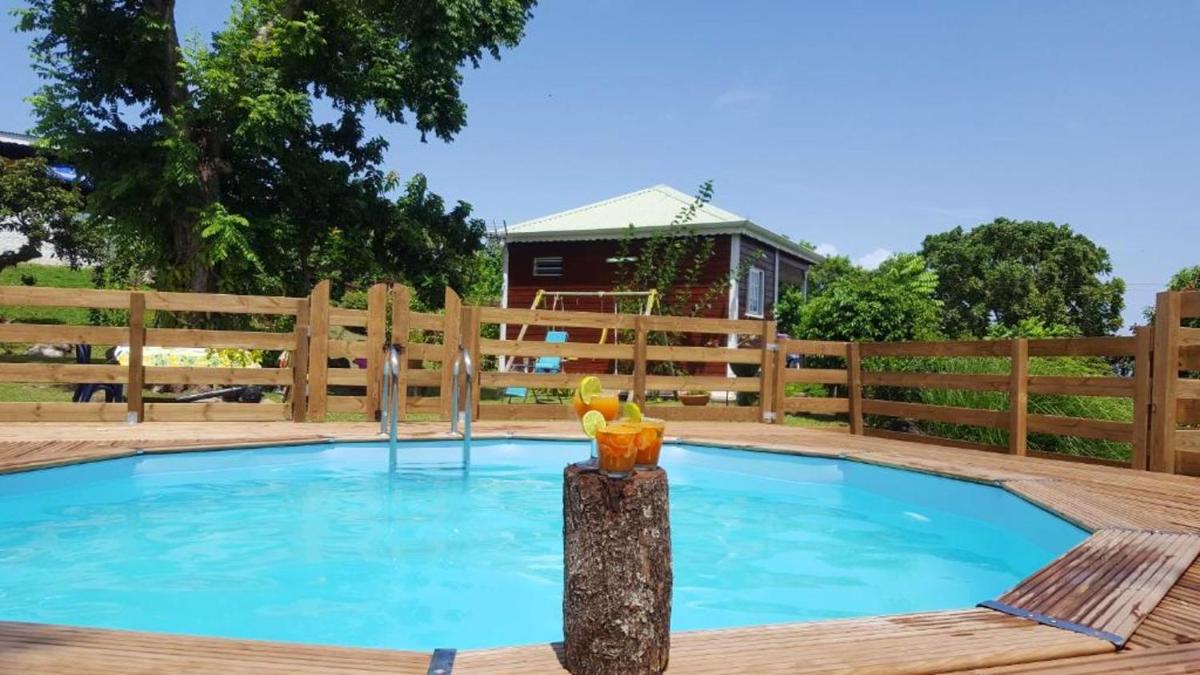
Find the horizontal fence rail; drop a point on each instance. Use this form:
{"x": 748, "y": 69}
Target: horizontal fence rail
{"x": 332, "y": 361}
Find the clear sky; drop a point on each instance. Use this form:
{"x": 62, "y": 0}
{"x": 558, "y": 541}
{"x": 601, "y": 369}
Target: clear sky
{"x": 861, "y": 126}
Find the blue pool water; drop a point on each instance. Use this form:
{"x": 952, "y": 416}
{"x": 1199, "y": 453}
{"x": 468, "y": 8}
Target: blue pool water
{"x": 319, "y": 544}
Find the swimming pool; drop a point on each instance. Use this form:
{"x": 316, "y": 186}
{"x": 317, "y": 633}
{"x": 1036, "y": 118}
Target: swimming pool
{"x": 320, "y": 544}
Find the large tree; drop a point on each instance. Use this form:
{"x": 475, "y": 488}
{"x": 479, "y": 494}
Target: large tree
{"x": 43, "y": 209}
{"x": 1005, "y": 272}
{"x": 241, "y": 163}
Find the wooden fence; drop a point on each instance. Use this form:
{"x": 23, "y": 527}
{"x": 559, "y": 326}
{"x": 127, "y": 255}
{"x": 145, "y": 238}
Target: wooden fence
{"x": 336, "y": 356}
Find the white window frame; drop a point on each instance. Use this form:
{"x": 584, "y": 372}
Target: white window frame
{"x": 549, "y": 261}
{"x": 756, "y": 305}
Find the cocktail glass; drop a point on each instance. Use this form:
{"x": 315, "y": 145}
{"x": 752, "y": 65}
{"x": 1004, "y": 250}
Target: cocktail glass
{"x": 649, "y": 442}
{"x": 617, "y": 445}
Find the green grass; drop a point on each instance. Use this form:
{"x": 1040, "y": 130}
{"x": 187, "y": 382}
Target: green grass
{"x": 45, "y": 276}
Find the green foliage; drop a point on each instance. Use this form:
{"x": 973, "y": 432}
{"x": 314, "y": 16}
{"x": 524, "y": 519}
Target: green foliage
{"x": 484, "y": 276}
{"x": 44, "y": 210}
{"x": 48, "y": 276}
{"x": 894, "y": 302}
{"x": 241, "y": 163}
{"x": 1093, "y": 407}
{"x": 1003, "y": 272}
{"x": 1186, "y": 279}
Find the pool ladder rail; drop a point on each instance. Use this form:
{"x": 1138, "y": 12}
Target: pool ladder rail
{"x": 389, "y": 408}
{"x": 462, "y": 364}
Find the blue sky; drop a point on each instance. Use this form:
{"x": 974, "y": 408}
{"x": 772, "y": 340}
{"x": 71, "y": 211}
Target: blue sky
{"x": 862, "y": 126}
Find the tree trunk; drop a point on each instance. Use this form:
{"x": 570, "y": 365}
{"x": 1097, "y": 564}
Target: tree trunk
{"x": 617, "y": 569}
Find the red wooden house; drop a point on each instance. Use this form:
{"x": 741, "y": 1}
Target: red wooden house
{"x": 577, "y": 250}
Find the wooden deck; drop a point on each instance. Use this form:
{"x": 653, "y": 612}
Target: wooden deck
{"x": 1137, "y": 578}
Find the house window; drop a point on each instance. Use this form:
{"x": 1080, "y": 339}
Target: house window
{"x": 754, "y": 292}
{"x": 548, "y": 267}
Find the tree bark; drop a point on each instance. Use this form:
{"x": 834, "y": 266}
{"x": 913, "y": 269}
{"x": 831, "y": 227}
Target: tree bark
{"x": 617, "y": 569}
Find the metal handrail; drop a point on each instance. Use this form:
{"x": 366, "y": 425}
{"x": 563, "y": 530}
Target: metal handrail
{"x": 389, "y": 409}
{"x": 462, "y": 362}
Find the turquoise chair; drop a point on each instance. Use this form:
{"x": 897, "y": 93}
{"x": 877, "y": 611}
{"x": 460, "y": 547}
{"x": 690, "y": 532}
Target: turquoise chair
{"x": 544, "y": 364}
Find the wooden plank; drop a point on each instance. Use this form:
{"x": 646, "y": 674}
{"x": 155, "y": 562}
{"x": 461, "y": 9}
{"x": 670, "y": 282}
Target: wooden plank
{"x": 1083, "y": 346}
{"x": 350, "y": 404}
{"x": 910, "y": 437}
{"x": 955, "y": 381}
{"x": 216, "y": 412}
{"x": 1189, "y": 337}
{"x": 62, "y": 373}
{"x": 707, "y": 325}
{"x": 546, "y": 317}
{"x": 419, "y": 377}
{"x": 1018, "y": 397}
{"x": 376, "y": 336}
{"x": 421, "y": 351}
{"x": 31, "y": 296}
{"x": 526, "y": 412}
{"x": 818, "y": 347}
{"x": 497, "y": 380}
{"x": 766, "y": 373}
{"x": 710, "y": 413}
{"x": 347, "y": 377}
{"x": 137, "y": 341}
{"x": 816, "y": 406}
{"x": 1189, "y": 304}
{"x": 534, "y": 348}
{"x": 318, "y": 352}
{"x": 937, "y": 413}
{"x": 1105, "y": 430}
{"x": 1107, "y": 584}
{"x": 1188, "y": 389}
{"x": 779, "y": 392}
{"x": 640, "y": 353}
{"x": 344, "y": 316}
{"x": 237, "y": 339}
{"x": 1082, "y": 386}
{"x": 471, "y": 328}
{"x": 1189, "y": 358}
{"x": 1140, "y": 455}
{"x": 220, "y": 376}
{"x": 699, "y": 382}
{"x": 51, "y": 334}
{"x": 817, "y": 375}
{"x": 62, "y": 412}
{"x": 452, "y": 338}
{"x": 854, "y": 386}
{"x": 426, "y": 321}
{"x": 1187, "y": 440}
{"x": 348, "y": 349}
{"x": 166, "y": 301}
{"x": 1165, "y": 380}
{"x": 946, "y": 348}
{"x": 702, "y": 354}
{"x": 1187, "y": 411}
{"x": 45, "y": 649}
{"x": 299, "y": 363}
{"x": 1182, "y": 658}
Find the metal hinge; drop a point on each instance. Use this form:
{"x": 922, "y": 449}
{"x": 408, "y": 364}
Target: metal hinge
{"x": 773, "y": 347}
{"x": 768, "y": 417}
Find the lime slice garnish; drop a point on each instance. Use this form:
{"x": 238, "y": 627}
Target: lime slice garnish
{"x": 592, "y": 422}
{"x": 632, "y": 411}
{"x": 589, "y": 387}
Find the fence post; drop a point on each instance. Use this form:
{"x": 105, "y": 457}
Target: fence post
{"x": 376, "y": 333}
{"x": 137, "y": 374}
{"x": 779, "y": 394}
{"x": 470, "y": 328}
{"x": 401, "y": 320}
{"x": 1165, "y": 382}
{"x": 300, "y": 363}
{"x": 318, "y": 351}
{"x": 640, "y": 338}
{"x": 1018, "y": 397}
{"x": 451, "y": 337}
{"x": 766, "y": 375}
{"x": 854, "y": 386}
{"x": 1144, "y": 337}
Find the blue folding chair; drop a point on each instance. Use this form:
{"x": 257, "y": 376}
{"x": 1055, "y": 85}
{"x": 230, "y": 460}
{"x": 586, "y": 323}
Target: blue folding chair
{"x": 544, "y": 364}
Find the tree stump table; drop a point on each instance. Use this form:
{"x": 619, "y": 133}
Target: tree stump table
{"x": 617, "y": 569}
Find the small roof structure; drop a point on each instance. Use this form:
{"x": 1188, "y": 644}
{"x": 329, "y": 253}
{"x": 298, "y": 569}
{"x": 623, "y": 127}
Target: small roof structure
{"x": 648, "y": 210}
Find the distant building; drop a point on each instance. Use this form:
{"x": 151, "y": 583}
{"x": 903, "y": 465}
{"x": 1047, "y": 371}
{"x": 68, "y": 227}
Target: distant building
{"x": 577, "y": 250}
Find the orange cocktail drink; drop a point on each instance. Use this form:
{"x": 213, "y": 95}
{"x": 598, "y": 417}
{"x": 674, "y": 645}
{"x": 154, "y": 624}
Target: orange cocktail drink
{"x": 605, "y": 403}
{"x": 617, "y": 447}
{"x": 649, "y": 442}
